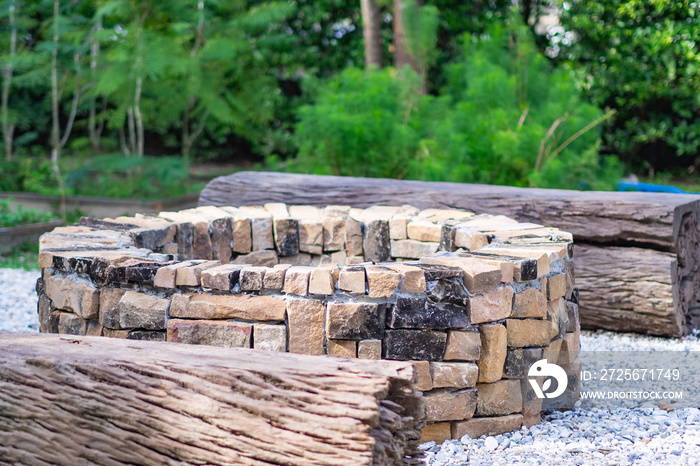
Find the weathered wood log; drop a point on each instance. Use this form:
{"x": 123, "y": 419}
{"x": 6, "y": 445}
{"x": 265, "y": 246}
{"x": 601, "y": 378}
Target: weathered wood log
{"x": 653, "y": 222}
{"x": 83, "y": 400}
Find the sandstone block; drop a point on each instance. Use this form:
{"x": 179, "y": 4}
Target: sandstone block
{"x": 382, "y": 281}
{"x": 258, "y": 258}
{"x": 444, "y": 405}
{"x": 352, "y": 279}
{"x": 296, "y": 280}
{"x": 235, "y": 306}
{"x": 342, "y": 348}
{"x": 261, "y": 227}
{"x": 398, "y": 225}
{"x": 75, "y": 295}
{"x": 412, "y": 249}
{"x": 166, "y": 276}
{"x": 492, "y": 306}
{"x": 413, "y": 278}
{"x": 192, "y": 276}
{"x": 558, "y": 318}
{"x": 436, "y": 432}
{"x": 251, "y": 278}
{"x": 306, "y": 318}
{"x": 441, "y": 215}
{"x": 572, "y": 315}
{"x": 551, "y": 352}
{"x": 270, "y": 337}
{"x": 422, "y": 230}
{"x": 453, "y": 374}
{"x": 242, "y": 235}
{"x": 470, "y": 239}
{"x": 478, "y": 426}
{"x": 570, "y": 348}
{"x": 528, "y": 332}
{"x": 112, "y": 333}
{"x": 462, "y": 345}
{"x": 71, "y": 324}
{"x": 541, "y": 257}
{"x": 223, "y": 277}
{"x": 311, "y": 235}
{"x": 274, "y": 277}
{"x": 94, "y": 328}
{"x": 286, "y": 234}
{"x": 322, "y": 280}
{"x": 406, "y": 345}
{"x": 369, "y": 349}
{"x": 207, "y": 332}
{"x": 109, "y": 307}
{"x": 303, "y": 259}
{"x": 48, "y": 315}
{"x": 423, "y": 380}
{"x": 221, "y": 233}
{"x": 305, "y": 211}
{"x": 499, "y": 398}
{"x": 556, "y": 286}
{"x": 518, "y": 362}
{"x": 420, "y": 312}
{"x": 334, "y": 233}
{"x": 494, "y": 346}
{"x": 530, "y": 303}
{"x": 139, "y": 310}
{"x": 353, "y": 237}
{"x": 355, "y": 321}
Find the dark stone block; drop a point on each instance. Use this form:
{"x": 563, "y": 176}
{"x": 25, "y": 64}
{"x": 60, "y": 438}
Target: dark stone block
{"x": 518, "y": 361}
{"x": 447, "y": 238}
{"x": 201, "y": 243}
{"x": 526, "y": 269}
{"x": 286, "y": 231}
{"x": 81, "y": 265}
{"x": 376, "y": 241}
{"x": 60, "y": 264}
{"x": 48, "y": 317}
{"x": 437, "y": 272}
{"x": 40, "y": 286}
{"x": 573, "y": 319}
{"x": 151, "y": 238}
{"x": 99, "y": 224}
{"x": 448, "y": 290}
{"x": 221, "y": 233}
{"x": 185, "y": 239}
{"x": 423, "y": 313}
{"x": 146, "y": 335}
{"x": 574, "y": 296}
{"x": 355, "y": 321}
{"x": 406, "y": 345}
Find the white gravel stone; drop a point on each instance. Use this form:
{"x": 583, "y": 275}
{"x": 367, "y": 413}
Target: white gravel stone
{"x": 18, "y": 300}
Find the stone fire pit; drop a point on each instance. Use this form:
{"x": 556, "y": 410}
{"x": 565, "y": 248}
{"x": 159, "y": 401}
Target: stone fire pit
{"x": 473, "y": 300}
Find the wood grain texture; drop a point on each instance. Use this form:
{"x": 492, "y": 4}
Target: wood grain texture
{"x": 81, "y": 400}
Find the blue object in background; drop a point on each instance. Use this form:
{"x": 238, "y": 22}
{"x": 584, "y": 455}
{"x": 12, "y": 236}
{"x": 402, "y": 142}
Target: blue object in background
{"x": 648, "y": 187}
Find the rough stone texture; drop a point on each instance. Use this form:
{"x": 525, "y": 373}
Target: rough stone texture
{"x": 376, "y": 241}
{"x": 406, "y": 345}
{"x": 423, "y": 379}
{"x": 270, "y": 337}
{"x": 354, "y": 237}
{"x": 478, "y": 275}
{"x": 412, "y": 249}
{"x": 286, "y": 233}
{"x": 242, "y": 235}
{"x": 381, "y": 281}
{"x": 449, "y": 290}
{"x": 436, "y": 432}
{"x": 48, "y": 315}
{"x": 422, "y": 230}
{"x": 558, "y": 317}
{"x": 261, "y": 227}
{"x": 530, "y": 303}
{"x": 369, "y": 349}
{"x": 556, "y": 286}
{"x": 334, "y": 233}
{"x": 470, "y": 239}
{"x": 296, "y": 280}
{"x": 499, "y": 398}
{"x": 462, "y": 345}
{"x": 94, "y": 328}
{"x": 494, "y": 347}
{"x": 74, "y": 295}
{"x": 223, "y": 277}
{"x": 221, "y": 232}
{"x": 492, "y": 306}
{"x": 453, "y": 374}
{"x": 423, "y": 313}
{"x": 207, "y": 332}
{"x": 323, "y": 279}
{"x": 311, "y": 235}
{"x": 147, "y": 335}
{"x": 444, "y": 405}
{"x": 551, "y": 352}
{"x": 165, "y": 276}
{"x": 109, "y": 306}
{"x": 192, "y": 276}
{"x": 258, "y": 258}
{"x": 528, "y": 332}
{"x": 518, "y": 362}
{"x": 306, "y": 317}
{"x": 342, "y": 348}
{"x": 238, "y": 306}
{"x": 112, "y": 333}
{"x": 352, "y": 279}
{"x": 570, "y": 348}
{"x": 478, "y": 426}
{"x": 71, "y": 324}
{"x": 274, "y": 277}
{"x": 413, "y": 278}
{"x": 572, "y": 317}
{"x": 251, "y": 278}
{"x": 355, "y": 321}
{"x": 139, "y": 310}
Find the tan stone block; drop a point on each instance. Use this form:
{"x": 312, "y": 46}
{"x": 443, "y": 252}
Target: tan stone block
{"x": 528, "y": 332}
{"x": 296, "y": 280}
{"x": 112, "y": 333}
{"x": 322, "y": 280}
{"x": 258, "y": 258}
{"x": 208, "y": 332}
{"x": 339, "y": 258}
{"x": 261, "y": 227}
{"x": 352, "y": 279}
{"x": 369, "y": 349}
{"x": 491, "y": 306}
{"x": 192, "y": 276}
{"x": 453, "y": 374}
{"x": 422, "y": 230}
{"x": 109, "y": 306}
{"x": 311, "y": 235}
{"x": 336, "y": 211}
{"x": 382, "y": 281}
{"x": 270, "y": 337}
{"x": 165, "y": 276}
{"x": 353, "y": 237}
{"x": 398, "y": 224}
{"x": 558, "y": 318}
{"x": 423, "y": 380}
{"x": 342, "y": 348}
{"x": 441, "y": 215}
{"x": 470, "y": 239}
{"x": 334, "y": 233}
{"x": 413, "y": 278}
{"x": 251, "y": 278}
{"x": 303, "y": 259}
{"x": 478, "y": 275}
{"x": 277, "y": 209}
{"x": 71, "y": 324}
{"x": 499, "y": 398}
{"x": 234, "y": 306}
{"x": 489, "y": 426}
{"x": 170, "y": 248}
{"x": 274, "y": 277}
{"x": 306, "y": 322}
{"x": 570, "y": 348}
{"x": 556, "y": 286}
{"x": 377, "y": 212}
{"x": 139, "y": 310}
{"x": 530, "y": 303}
{"x": 507, "y": 268}
{"x": 223, "y": 277}
{"x": 542, "y": 257}
{"x": 436, "y": 432}
{"x": 75, "y": 295}
{"x": 462, "y": 346}
{"x": 412, "y": 249}
{"x": 533, "y": 415}
{"x": 551, "y": 352}
{"x": 356, "y": 260}
{"x": 94, "y": 328}
{"x": 494, "y": 348}
{"x": 444, "y": 405}
{"x": 305, "y": 211}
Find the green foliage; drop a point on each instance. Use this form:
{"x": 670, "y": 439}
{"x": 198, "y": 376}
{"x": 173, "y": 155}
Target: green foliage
{"x": 640, "y": 58}
{"x": 10, "y": 217}
{"x": 504, "y": 117}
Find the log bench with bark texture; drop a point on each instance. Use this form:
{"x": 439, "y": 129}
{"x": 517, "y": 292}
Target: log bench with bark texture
{"x": 637, "y": 254}
{"x": 89, "y": 400}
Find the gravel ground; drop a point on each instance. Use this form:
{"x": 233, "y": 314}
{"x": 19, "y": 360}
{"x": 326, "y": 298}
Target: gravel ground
{"x": 643, "y": 436}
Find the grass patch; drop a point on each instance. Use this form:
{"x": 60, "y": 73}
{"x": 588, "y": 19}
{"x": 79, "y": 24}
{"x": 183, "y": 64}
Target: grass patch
{"x": 25, "y": 257}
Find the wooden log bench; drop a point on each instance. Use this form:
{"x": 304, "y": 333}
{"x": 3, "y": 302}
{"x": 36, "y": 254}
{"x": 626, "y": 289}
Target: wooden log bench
{"x": 74, "y": 400}
{"x": 637, "y": 254}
